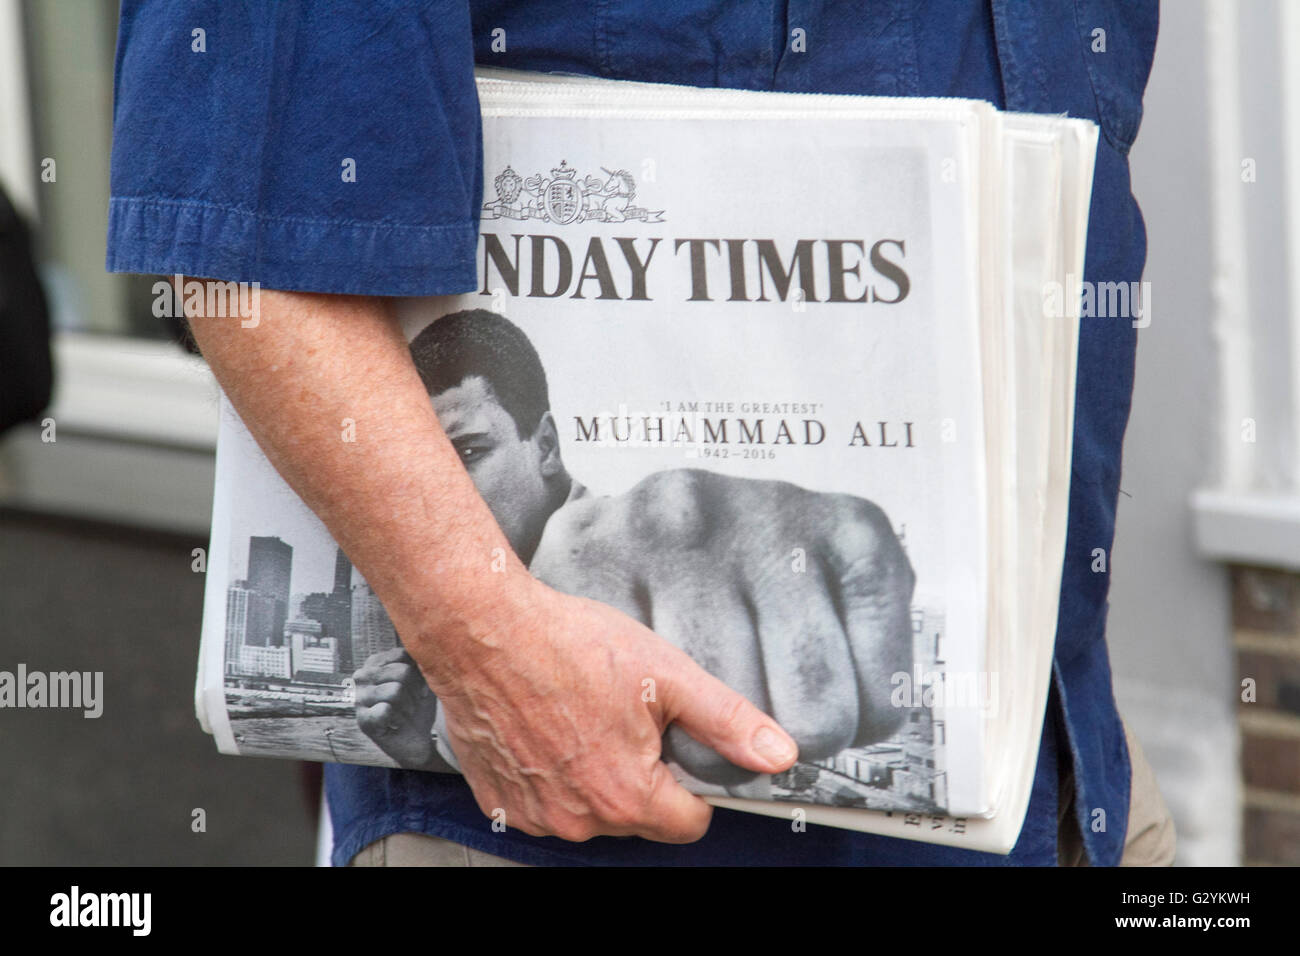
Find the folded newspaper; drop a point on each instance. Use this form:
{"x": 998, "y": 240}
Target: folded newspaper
{"x": 796, "y": 375}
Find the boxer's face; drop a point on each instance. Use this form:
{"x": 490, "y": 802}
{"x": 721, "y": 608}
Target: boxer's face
{"x": 510, "y": 472}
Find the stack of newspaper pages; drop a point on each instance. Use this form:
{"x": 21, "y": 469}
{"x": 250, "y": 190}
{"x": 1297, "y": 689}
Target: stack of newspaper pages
{"x": 798, "y": 374}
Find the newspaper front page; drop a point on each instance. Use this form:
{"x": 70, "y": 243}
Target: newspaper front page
{"x": 721, "y": 371}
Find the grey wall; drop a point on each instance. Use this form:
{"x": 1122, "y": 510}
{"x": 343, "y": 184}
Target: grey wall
{"x": 1169, "y": 624}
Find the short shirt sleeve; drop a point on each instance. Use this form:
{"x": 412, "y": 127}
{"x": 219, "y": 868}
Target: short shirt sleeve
{"x": 308, "y": 145}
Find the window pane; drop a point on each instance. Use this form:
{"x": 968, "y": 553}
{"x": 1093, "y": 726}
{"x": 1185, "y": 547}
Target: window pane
{"x": 69, "y": 51}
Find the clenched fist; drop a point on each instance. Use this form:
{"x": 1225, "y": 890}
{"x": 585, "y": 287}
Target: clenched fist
{"x": 396, "y": 709}
{"x": 797, "y": 599}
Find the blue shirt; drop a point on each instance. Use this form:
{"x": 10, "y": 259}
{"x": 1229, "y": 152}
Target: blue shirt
{"x": 227, "y": 164}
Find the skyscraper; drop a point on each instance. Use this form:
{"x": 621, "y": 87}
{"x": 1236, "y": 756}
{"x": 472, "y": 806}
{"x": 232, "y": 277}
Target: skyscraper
{"x": 342, "y": 573}
{"x": 372, "y": 631}
{"x": 249, "y": 617}
{"x": 270, "y": 562}
{"x": 340, "y": 622}
{"x": 334, "y": 612}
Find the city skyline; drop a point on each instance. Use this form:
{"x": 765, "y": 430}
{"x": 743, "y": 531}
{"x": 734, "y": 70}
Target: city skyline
{"x": 273, "y": 632}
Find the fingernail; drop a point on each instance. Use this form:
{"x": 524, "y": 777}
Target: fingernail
{"x": 774, "y": 747}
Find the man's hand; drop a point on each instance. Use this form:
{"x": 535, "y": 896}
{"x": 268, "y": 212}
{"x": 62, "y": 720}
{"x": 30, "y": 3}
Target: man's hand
{"x": 799, "y": 600}
{"x": 554, "y": 725}
{"x": 396, "y": 709}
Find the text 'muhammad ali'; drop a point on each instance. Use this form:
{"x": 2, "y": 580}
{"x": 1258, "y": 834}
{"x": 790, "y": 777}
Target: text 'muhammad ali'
{"x": 688, "y": 430}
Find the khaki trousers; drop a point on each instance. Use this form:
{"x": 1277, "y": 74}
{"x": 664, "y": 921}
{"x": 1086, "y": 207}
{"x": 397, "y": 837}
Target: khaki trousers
{"x": 1149, "y": 842}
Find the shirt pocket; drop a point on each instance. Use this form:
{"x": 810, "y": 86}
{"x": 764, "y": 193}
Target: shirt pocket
{"x": 693, "y": 42}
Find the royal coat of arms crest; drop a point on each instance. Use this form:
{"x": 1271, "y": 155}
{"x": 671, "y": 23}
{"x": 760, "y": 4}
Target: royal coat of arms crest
{"x": 563, "y": 199}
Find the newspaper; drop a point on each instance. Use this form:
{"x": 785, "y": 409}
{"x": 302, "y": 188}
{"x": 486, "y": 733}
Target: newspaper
{"x": 727, "y": 368}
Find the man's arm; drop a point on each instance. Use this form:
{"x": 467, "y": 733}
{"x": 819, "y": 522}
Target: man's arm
{"x": 542, "y": 691}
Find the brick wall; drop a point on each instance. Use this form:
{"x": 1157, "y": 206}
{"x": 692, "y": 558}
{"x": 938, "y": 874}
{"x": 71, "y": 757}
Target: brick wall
{"x": 1266, "y": 636}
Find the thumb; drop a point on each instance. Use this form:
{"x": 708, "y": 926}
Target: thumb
{"x": 673, "y": 814}
{"x": 720, "y": 718}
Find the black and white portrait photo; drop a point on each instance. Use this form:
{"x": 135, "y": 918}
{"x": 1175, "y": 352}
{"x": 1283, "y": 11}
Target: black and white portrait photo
{"x": 801, "y": 600}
